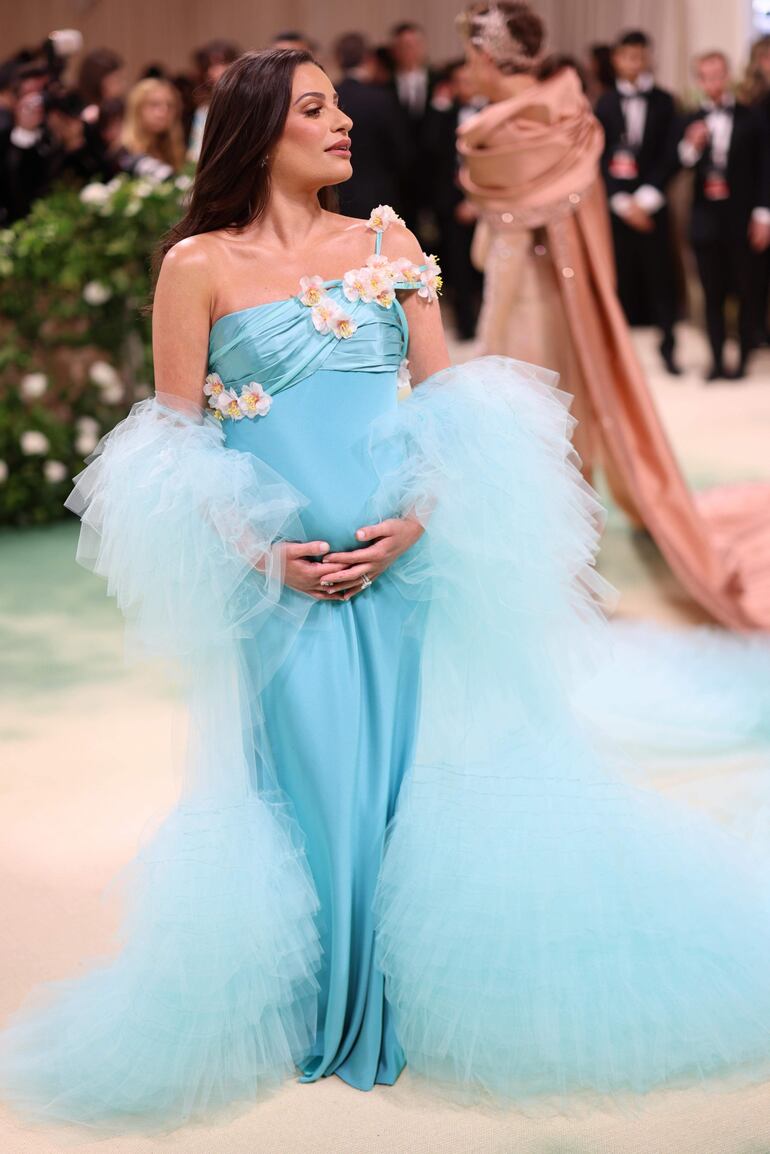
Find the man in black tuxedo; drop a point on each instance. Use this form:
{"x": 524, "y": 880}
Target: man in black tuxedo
{"x": 378, "y": 136}
{"x": 639, "y": 121}
{"x": 413, "y": 84}
{"x": 453, "y": 102}
{"x": 727, "y": 145}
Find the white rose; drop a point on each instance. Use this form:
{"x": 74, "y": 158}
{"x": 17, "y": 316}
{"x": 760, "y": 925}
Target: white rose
{"x": 113, "y": 395}
{"x": 33, "y": 385}
{"x": 183, "y": 182}
{"x": 96, "y": 293}
{"x": 54, "y": 471}
{"x": 95, "y": 193}
{"x": 3, "y": 472}
{"x": 103, "y": 375}
{"x": 34, "y": 443}
{"x": 87, "y": 425}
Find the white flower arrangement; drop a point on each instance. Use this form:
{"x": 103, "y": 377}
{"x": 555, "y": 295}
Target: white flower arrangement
{"x": 112, "y": 395}
{"x": 33, "y": 385}
{"x": 96, "y": 292}
{"x": 34, "y": 443}
{"x": 87, "y": 426}
{"x": 95, "y": 194}
{"x": 103, "y": 375}
{"x": 54, "y": 471}
{"x": 85, "y": 443}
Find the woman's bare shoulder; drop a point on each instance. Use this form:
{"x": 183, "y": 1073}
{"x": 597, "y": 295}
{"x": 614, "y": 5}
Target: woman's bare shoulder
{"x": 191, "y": 254}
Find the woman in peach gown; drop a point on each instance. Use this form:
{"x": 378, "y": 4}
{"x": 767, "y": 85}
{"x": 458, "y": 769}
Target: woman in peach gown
{"x": 531, "y": 165}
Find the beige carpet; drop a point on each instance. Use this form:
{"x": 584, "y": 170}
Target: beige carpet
{"x": 89, "y": 755}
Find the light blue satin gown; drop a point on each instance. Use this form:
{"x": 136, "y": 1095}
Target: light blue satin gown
{"x": 340, "y": 713}
{"x": 398, "y": 839}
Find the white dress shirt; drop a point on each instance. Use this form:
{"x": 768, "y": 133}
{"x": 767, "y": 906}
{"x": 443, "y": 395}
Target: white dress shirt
{"x": 719, "y": 119}
{"x": 412, "y": 88}
{"x": 633, "y": 102}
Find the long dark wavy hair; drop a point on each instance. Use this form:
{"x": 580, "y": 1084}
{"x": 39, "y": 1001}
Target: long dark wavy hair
{"x": 246, "y": 117}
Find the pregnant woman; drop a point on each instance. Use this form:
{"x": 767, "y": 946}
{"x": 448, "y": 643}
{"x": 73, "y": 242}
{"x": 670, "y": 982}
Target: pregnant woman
{"x": 378, "y": 606}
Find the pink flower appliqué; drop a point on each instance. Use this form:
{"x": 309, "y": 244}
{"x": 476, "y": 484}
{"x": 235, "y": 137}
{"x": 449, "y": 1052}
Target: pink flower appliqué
{"x": 313, "y": 290}
{"x": 381, "y": 217}
{"x": 252, "y": 401}
{"x": 430, "y": 280}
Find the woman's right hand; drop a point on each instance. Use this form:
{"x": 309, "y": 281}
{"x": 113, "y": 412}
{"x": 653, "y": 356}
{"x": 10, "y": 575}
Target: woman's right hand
{"x": 303, "y": 573}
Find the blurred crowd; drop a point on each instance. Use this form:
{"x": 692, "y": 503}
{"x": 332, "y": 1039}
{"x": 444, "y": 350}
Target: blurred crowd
{"x": 75, "y": 116}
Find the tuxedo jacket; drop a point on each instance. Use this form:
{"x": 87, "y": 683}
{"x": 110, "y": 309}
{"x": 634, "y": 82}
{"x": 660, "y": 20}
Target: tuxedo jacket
{"x": 747, "y": 175}
{"x": 655, "y": 156}
{"x": 379, "y": 147}
{"x": 439, "y": 146}
{"x": 415, "y": 122}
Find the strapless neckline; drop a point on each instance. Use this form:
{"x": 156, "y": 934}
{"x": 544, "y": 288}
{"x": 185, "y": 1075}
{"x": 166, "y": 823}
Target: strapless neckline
{"x": 266, "y": 305}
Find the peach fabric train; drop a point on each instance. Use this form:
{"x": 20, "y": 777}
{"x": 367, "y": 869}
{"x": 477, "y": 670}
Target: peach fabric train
{"x": 531, "y": 163}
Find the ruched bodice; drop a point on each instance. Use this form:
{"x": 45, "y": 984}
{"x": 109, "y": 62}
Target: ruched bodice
{"x": 344, "y": 341}
{"x": 278, "y": 345}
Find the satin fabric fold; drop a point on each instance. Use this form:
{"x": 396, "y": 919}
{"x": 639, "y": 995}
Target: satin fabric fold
{"x": 531, "y": 162}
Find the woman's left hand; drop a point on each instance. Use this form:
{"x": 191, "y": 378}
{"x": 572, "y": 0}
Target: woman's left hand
{"x": 390, "y": 539}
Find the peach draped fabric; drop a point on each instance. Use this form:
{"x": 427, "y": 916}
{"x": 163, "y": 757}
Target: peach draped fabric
{"x": 531, "y": 163}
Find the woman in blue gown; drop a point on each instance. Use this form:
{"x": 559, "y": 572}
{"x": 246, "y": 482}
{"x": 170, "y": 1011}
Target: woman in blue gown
{"x": 395, "y": 841}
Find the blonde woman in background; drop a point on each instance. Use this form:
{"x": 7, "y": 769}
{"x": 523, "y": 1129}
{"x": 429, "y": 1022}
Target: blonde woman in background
{"x": 153, "y": 123}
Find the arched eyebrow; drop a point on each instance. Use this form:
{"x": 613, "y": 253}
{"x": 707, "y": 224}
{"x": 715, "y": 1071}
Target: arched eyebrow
{"x": 318, "y": 95}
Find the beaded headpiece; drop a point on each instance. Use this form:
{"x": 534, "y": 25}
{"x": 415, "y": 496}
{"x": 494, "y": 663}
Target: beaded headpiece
{"x": 488, "y": 31}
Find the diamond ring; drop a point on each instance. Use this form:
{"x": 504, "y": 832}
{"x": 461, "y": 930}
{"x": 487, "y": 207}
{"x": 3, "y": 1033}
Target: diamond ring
{"x": 366, "y": 581}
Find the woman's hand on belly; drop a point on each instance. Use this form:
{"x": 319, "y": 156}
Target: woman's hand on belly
{"x": 389, "y": 539}
{"x": 303, "y": 573}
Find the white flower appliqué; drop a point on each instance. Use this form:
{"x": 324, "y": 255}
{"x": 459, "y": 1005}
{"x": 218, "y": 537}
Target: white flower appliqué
{"x": 382, "y": 216}
{"x": 430, "y": 280}
{"x": 327, "y": 316}
{"x": 313, "y": 290}
{"x": 252, "y": 401}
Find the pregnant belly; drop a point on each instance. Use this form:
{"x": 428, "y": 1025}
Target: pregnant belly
{"x": 316, "y": 436}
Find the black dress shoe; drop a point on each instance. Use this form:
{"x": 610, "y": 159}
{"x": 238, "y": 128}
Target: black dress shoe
{"x": 715, "y": 373}
{"x": 671, "y": 366}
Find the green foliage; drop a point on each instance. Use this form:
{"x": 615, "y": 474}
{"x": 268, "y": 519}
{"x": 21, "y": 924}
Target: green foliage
{"x": 75, "y": 349}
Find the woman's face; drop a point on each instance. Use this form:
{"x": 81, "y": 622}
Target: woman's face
{"x": 158, "y": 110}
{"x": 482, "y": 74}
{"x": 314, "y": 149}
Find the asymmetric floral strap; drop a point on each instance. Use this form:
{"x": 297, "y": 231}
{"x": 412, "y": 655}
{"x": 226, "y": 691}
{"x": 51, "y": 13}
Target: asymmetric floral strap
{"x": 376, "y": 282}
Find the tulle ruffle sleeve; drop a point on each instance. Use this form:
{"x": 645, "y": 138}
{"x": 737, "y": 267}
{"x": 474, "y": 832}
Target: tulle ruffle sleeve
{"x": 183, "y": 529}
{"x": 550, "y": 932}
{"x": 211, "y": 997}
